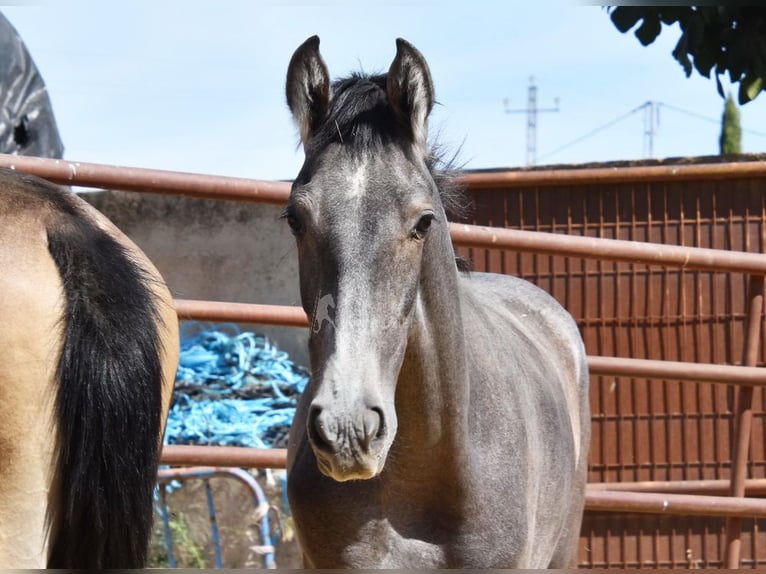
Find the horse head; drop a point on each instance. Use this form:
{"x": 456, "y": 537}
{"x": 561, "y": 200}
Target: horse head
{"x": 364, "y": 210}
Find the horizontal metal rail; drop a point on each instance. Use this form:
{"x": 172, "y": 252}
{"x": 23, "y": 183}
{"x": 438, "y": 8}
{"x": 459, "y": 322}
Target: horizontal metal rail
{"x": 215, "y": 187}
{"x": 719, "y": 487}
{"x": 600, "y": 366}
{"x": 219, "y": 187}
{"x": 676, "y": 370}
{"x": 598, "y": 499}
{"x": 239, "y": 456}
{"x": 149, "y": 180}
{"x": 674, "y": 504}
{"x": 691, "y": 258}
{"x": 241, "y": 313}
{"x": 504, "y": 179}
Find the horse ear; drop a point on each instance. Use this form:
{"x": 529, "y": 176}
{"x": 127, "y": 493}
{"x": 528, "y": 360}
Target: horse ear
{"x": 308, "y": 88}
{"x": 410, "y": 89}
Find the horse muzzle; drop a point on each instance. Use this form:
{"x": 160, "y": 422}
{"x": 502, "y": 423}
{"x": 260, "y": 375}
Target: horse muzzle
{"x": 345, "y": 468}
{"x": 351, "y": 447}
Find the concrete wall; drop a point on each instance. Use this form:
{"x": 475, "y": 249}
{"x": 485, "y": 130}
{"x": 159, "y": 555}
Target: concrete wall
{"x": 215, "y": 250}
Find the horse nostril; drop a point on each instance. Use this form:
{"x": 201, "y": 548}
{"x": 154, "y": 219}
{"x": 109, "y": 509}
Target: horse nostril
{"x": 319, "y": 433}
{"x": 373, "y": 425}
{"x": 327, "y": 436}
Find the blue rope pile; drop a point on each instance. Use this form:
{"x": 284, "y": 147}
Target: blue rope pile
{"x": 233, "y": 388}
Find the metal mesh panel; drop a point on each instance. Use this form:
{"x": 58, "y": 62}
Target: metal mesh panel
{"x": 648, "y": 429}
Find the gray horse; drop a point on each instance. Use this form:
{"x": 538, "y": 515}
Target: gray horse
{"x": 447, "y": 421}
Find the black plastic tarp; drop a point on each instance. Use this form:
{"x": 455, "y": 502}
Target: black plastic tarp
{"x": 27, "y": 125}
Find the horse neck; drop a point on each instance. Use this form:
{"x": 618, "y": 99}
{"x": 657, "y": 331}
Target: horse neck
{"x": 432, "y": 391}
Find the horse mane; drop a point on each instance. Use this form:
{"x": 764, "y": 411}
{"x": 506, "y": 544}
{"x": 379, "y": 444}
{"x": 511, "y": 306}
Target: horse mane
{"x": 360, "y": 116}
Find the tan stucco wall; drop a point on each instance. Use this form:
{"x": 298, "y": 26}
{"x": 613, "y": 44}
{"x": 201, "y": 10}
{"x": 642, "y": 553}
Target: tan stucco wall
{"x": 216, "y": 250}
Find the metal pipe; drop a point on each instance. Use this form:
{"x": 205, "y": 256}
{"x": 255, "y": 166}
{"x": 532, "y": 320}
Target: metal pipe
{"x": 117, "y": 177}
{"x": 611, "y": 175}
{"x": 261, "y": 502}
{"x": 219, "y": 187}
{"x": 217, "y": 553}
{"x": 149, "y": 180}
{"x": 692, "y": 258}
{"x": 717, "y": 487}
{"x": 744, "y": 416}
{"x": 241, "y": 312}
{"x": 676, "y": 370}
{"x": 599, "y": 366}
{"x": 237, "y": 456}
{"x": 598, "y": 496}
{"x": 597, "y": 499}
{"x": 673, "y": 504}
{"x": 166, "y": 530}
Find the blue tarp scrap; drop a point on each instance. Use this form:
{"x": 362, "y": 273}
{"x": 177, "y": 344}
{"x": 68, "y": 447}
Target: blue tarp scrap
{"x": 233, "y": 388}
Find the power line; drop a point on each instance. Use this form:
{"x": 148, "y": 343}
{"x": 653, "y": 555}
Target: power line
{"x": 707, "y": 119}
{"x": 593, "y": 132}
{"x": 650, "y": 133}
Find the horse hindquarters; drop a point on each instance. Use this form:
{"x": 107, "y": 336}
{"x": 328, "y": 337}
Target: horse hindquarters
{"x": 567, "y": 551}
{"x": 87, "y": 361}
{"x": 114, "y": 377}
{"x": 30, "y": 309}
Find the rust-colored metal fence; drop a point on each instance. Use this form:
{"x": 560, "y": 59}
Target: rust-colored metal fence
{"x": 652, "y": 427}
{"x": 677, "y": 310}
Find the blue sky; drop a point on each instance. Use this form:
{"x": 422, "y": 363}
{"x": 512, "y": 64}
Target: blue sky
{"x": 198, "y": 86}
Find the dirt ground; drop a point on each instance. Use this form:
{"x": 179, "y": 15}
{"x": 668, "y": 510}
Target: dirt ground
{"x": 238, "y": 530}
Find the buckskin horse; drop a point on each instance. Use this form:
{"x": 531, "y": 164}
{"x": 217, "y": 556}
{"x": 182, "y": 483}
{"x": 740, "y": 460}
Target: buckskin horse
{"x": 88, "y": 351}
{"x": 446, "y": 423}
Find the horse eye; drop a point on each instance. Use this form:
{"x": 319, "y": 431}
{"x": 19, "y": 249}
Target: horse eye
{"x": 292, "y": 220}
{"x": 423, "y": 225}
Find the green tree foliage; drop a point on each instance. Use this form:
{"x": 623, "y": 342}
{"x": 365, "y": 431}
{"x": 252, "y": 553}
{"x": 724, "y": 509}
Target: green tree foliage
{"x": 731, "y": 132}
{"x": 720, "y": 39}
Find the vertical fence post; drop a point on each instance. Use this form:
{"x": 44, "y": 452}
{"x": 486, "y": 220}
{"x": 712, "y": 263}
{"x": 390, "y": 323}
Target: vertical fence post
{"x": 166, "y": 530}
{"x": 213, "y": 525}
{"x": 744, "y": 415}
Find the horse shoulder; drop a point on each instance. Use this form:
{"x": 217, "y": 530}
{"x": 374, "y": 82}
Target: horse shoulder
{"x": 529, "y": 413}
{"x": 507, "y": 314}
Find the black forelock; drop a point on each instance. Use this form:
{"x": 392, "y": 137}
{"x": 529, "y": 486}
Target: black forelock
{"x": 359, "y": 115}
{"x": 360, "y": 118}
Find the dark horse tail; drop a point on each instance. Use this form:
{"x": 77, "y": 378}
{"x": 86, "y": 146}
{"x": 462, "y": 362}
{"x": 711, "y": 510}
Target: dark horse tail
{"x": 108, "y": 402}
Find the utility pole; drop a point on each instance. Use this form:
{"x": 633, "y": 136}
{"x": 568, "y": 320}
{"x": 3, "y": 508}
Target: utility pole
{"x": 531, "y": 110}
{"x": 651, "y": 123}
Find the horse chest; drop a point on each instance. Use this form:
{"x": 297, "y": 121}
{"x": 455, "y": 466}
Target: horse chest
{"x": 376, "y": 524}
{"x": 375, "y": 543}
{"x": 381, "y": 545}
{"x": 352, "y": 525}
